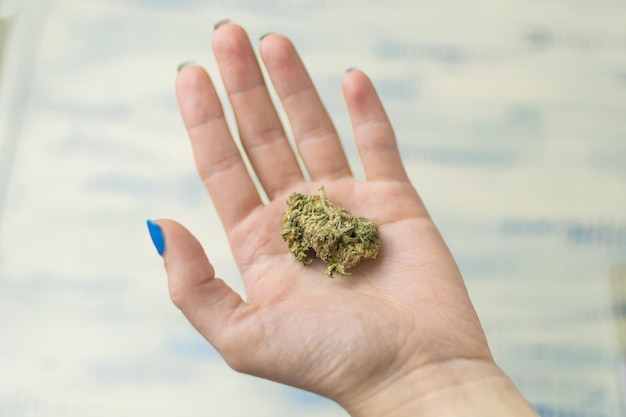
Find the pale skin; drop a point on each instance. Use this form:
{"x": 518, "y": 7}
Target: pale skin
{"x": 398, "y": 337}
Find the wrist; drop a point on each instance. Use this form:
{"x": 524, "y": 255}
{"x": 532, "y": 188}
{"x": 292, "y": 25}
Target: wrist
{"x": 460, "y": 388}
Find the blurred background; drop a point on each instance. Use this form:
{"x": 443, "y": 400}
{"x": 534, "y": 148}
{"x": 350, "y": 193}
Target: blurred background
{"x": 511, "y": 118}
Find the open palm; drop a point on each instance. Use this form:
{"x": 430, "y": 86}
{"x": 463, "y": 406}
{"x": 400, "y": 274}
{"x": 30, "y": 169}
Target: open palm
{"x": 399, "y": 314}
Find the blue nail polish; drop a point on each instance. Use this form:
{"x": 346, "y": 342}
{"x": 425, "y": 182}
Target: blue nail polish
{"x": 156, "y": 233}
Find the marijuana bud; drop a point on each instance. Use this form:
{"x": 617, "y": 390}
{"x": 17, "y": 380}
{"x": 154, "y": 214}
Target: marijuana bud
{"x": 338, "y": 238}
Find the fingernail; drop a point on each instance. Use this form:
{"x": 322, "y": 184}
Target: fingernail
{"x": 183, "y": 65}
{"x": 156, "y": 233}
{"x": 266, "y": 35}
{"x": 351, "y": 69}
{"x": 221, "y": 23}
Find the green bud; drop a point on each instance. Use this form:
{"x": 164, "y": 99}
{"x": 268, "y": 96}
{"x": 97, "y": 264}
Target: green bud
{"x": 341, "y": 240}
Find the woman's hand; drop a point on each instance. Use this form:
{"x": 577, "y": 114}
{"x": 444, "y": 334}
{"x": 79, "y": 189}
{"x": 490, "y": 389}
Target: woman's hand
{"x": 396, "y": 337}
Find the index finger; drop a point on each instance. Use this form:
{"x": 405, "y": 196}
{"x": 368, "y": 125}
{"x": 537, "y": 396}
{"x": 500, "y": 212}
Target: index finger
{"x": 218, "y": 160}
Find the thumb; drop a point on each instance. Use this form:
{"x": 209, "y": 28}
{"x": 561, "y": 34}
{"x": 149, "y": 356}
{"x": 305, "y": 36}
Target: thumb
{"x": 208, "y": 302}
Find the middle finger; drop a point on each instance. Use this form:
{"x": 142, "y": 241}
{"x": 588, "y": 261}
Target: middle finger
{"x": 260, "y": 130}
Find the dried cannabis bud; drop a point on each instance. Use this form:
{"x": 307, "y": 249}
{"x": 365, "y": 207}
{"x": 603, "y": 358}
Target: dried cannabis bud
{"x": 337, "y": 237}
